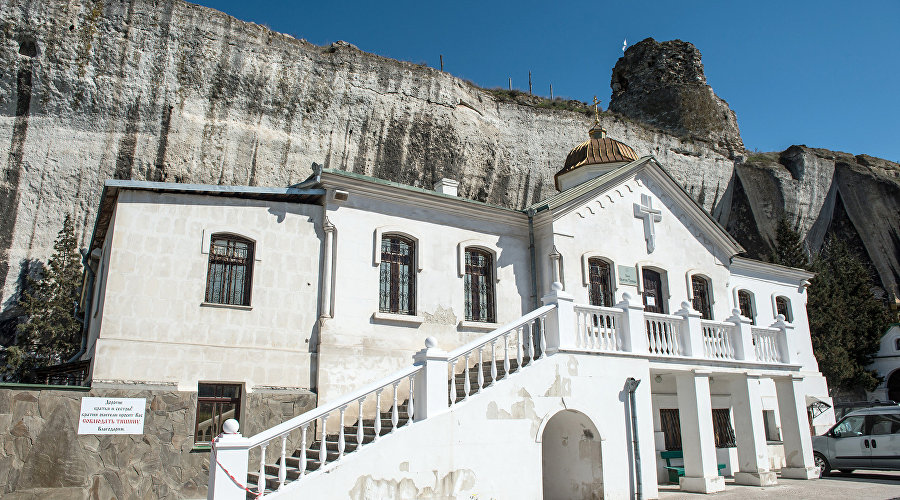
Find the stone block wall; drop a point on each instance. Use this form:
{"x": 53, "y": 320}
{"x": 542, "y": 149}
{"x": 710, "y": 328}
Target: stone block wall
{"x": 43, "y": 457}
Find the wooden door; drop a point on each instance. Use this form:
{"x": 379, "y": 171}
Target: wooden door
{"x": 653, "y": 299}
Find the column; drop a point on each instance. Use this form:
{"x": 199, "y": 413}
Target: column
{"x": 698, "y": 443}
{"x": 559, "y": 326}
{"x": 795, "y": 435}
{"x": 750, "y": 433}
{"x": 229, "y": 456}
{"x": 691, "y": 332}
{"x": 633, "y": 329}
{"x": 431, "y": 389}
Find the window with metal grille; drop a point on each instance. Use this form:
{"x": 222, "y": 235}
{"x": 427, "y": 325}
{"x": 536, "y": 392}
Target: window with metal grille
{"x": 783, "y": 307}
{"x": 745, "y": 303}
{"x": 701, "y": 302}
{"x": 479, "y": 285}
{"x": 670, "y": 422}
{"x": 600, "y": 283}
{"x": 230, "y": 270}
{"x": 397, "y": 279}
{"x": 216, "y": 403}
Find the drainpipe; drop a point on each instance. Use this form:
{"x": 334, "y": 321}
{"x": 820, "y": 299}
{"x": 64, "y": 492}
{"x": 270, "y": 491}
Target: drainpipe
{"x": 534, "y": 294}
{"x": 88, "y": 302}
{"x": 631, "y": 385}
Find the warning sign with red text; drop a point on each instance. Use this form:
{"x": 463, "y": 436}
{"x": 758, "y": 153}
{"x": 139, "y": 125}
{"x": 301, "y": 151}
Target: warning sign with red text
{"x": 112, "y": 416}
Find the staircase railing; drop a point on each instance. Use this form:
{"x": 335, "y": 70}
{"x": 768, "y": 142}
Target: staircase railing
{"x": 524, "y": 337}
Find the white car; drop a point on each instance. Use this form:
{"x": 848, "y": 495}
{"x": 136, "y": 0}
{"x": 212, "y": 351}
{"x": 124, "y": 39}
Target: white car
{"x": 863, "y": 439}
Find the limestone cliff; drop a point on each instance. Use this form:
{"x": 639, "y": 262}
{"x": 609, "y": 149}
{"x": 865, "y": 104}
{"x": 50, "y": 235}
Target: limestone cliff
{"x": 170, "y": 91}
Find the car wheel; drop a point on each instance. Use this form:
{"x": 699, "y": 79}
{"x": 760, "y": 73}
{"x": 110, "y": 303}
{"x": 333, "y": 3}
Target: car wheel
{"x": 822, "y": 464}
{"x": 846, "y": 471}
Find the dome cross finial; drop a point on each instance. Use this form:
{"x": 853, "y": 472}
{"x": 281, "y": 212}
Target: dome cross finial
{"x": 596, "y": 111}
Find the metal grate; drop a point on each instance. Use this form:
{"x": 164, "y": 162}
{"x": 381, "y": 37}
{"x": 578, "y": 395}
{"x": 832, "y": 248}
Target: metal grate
{"x": 216, "y": 403}
{"x": 700, "y": 289}
{"x": 600, "y": 283}
{"x": 783, "y": 307}
{"x": 745, "y": 303}
{"x": 230, "y": 270}
{"x": 479, "y": 286}
{"x": 397, "y": 280}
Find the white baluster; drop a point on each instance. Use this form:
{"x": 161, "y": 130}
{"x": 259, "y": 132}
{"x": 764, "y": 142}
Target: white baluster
{"x": 480, "y": 368}
{"x": 323, "y": 446}
{"x": 341, "y": 444}
{"x": 303, "y": 449}
{"x": 543, "y": 338}
{"x": 452, "y": 381}
{"x": 519, "y": 335}
{"x": 505, "y": 355}
{"x": 493, "y": 360}
{"x": 395, "y": 414}
{"x": 261, "y": 487}
{"x": 282, "y": 466}
{"x": 360, "y": 433}
{"x": 377, "y": 422}
{"x": 467, "y": 386}
{"x": 530, "y": 334}
{"x": 410, "y": 406}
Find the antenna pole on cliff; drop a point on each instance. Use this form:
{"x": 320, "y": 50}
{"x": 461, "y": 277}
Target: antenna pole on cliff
{"x": 510, "y": 83}
{"x": 551, "y": 91}
{"x": 442, "y": 62}
{"x": 529, "y": 83}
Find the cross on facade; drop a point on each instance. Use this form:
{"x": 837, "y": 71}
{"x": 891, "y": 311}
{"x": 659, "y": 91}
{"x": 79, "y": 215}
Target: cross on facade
{"x": 645, "y": 211}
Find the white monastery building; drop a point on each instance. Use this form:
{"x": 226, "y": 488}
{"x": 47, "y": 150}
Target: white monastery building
{"x": 574, "y": 349}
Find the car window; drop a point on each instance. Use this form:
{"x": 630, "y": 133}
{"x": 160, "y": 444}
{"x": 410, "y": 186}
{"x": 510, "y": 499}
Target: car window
{"x": 884, "y": 424}
{"x": 850, "y": 427}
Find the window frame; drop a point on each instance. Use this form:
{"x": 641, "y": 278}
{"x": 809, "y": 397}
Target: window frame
{"x": 610, "y": 293}
{"x": 705, "y": 298}
{"x": 216, "y": 401}
{"x": 789, "y": 317}
{"x": 751, "y": 304}
{"x": 489, "y": 281}
{"x": 249, "y": 272}
{"x": 412, "y": 271}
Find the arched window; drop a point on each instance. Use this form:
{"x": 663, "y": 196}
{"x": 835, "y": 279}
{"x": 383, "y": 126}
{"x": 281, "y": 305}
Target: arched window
{"x": 783, "y": 307}
{"x": 745, "y": 304}
{"x": 600, "y": 283}
{"x": 700, "y": 291}
{"x": 230, "y": 271}
{"x": 397, "y": 280}
{"x": 479, "y": 285}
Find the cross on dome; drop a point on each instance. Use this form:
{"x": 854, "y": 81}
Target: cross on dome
{"x": 645, "y": 211}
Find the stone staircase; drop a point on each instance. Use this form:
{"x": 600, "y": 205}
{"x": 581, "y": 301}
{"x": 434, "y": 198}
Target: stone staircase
{"x": 293, "y": 463}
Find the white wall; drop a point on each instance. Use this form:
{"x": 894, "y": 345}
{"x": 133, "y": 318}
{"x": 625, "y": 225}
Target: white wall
{"x": 490, "y": 446}
{"x": 154, "y": 326}
{"x": 886, "y": 362}
{"x": 356, "y": 347}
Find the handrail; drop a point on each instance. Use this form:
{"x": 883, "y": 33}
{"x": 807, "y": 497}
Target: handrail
{"x": 710, "y": 322}
{"x": 671, "y": 317}
{"x": 299, "y": 420}
{"x": 603, "y": 309}
{"x": 765, "y": 329}
{"x": 494, "y": 334}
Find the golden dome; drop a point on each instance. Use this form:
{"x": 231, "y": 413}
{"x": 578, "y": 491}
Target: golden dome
{"x": 597, "y": 150}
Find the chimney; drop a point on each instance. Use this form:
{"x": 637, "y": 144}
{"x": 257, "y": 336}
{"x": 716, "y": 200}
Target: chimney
{"x": 447, "y": 186}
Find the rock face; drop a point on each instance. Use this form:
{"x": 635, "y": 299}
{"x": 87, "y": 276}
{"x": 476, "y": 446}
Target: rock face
{"x": 170, "y": 91}
{"x": 663, "y": 84}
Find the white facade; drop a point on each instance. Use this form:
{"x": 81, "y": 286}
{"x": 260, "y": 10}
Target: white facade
{"x": 316, "y": 319}
{"x": 886, "y": 363}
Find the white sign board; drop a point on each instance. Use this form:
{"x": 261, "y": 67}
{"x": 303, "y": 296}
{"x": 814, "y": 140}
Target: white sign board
{"x": 112, "y": 416}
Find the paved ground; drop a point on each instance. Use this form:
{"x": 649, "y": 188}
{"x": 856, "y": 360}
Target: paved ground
{"x": 874, "y": 485}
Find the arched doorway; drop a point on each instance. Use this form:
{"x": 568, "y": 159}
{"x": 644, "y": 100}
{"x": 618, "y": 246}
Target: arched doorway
{"x": 893, "y": 386}
{"x": 572, "y": 465}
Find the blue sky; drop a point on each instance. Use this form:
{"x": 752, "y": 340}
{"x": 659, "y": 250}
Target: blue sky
{"x": 824, "y": 73}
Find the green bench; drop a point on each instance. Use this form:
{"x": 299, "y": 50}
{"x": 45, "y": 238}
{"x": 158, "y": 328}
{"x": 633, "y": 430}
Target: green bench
{"x": 676, "y": 471}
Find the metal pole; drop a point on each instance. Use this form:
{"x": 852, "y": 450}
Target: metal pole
{"x": 551, "y": 91}
{"x": 631, "y": 385}
{"x": 510, "y": 83}
{"x": 529, "y": 82}
{"x": 442, "y": 62}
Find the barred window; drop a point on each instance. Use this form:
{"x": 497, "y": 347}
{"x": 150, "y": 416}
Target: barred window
{"x": 700, "y": 290}
{"x": 230, "y": 270}
{"x": 600, "y": 283}
{"x": 745, "y": 303}
{"x": 670, "y": 421}
{"x": 216, "y": 403}
{"x": 397, "y": 279}
{"x": 783, "y": 307}
{"x": 479, "y": 286}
